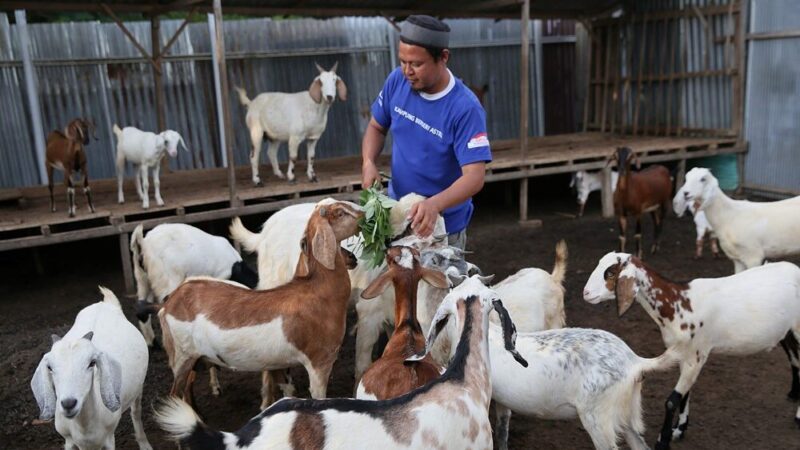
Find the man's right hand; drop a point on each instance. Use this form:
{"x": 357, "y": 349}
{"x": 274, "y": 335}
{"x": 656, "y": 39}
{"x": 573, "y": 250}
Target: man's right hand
{"x": 369, "y": 174}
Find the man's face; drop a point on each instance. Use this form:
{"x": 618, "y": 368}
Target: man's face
{"x": 420, "y": 69}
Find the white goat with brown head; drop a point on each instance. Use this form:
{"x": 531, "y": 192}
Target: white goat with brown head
{"x": 293, "y": 118}
{"x": 301, "y": 323}
{"x": 65, "y": 152}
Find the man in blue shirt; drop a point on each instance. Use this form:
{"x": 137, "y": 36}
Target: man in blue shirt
{"x": 440, "y": 146}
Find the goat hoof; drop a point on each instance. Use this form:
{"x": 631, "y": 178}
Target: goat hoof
{"x": 797, "y": 421}
{"x": 662, "y": 445}
{"x": 53, "y": 209}
{"x": 72, "y": 214}
{"x": 313, "y": 179}
{"x": 293, "y": 181}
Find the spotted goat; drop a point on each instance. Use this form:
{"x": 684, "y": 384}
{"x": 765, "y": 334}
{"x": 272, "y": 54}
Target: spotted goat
{"x": 741, "y": 314}
{"x": 450, "y": 412}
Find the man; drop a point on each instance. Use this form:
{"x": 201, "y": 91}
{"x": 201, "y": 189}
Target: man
{"x": 440, "y": 147}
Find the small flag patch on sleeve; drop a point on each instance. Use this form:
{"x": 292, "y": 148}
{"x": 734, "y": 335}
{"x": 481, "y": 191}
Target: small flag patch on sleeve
{"x": 479, "y": 140}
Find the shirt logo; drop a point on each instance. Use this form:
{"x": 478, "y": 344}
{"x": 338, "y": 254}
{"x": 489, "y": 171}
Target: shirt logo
{"x": 479, "y": 140}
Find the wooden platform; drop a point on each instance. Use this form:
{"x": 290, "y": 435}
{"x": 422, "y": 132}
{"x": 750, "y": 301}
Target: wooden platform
{"x": 202, "y": 195}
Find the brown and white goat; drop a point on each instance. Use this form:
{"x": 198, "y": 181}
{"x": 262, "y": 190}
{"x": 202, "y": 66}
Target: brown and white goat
{"x": 299, "y": 323}
{"x": 65, "y": 152}
{"x": 649, "y": 190}
{"x": 391, "y": 376}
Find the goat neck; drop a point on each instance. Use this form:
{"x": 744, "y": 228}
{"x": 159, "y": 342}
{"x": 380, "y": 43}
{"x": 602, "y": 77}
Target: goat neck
{"x": 405, "y": 319}
{"x": 664, "y": 300}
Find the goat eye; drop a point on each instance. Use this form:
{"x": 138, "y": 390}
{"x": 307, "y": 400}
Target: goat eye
{"x": 610, "y": 272}
{"x": 92, "y": 364}
{"x": 703, "y": 180}
{"x": 49, "y": 368}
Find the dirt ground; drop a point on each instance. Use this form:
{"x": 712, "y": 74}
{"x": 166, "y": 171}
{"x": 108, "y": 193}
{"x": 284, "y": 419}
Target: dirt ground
{"x": 738, "y": 402}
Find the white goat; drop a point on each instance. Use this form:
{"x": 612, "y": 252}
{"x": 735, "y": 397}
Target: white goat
{"x": 172, "y": 252}
{"x": 450, "y": 412}
{"x": 92, "y": 375}
{"x": 574, "y": 373}
{"x": 144, "y": 149}
{"x": 742, "y": 314}
{"x": 748, "y": 232}
{"x": 587, "y": 182}
{"x": 293, "y": 118}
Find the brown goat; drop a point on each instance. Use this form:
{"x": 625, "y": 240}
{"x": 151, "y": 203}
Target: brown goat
{"x": 299, "y": 323}
{"x": 65, "y": 152}
{"x": 649, "y": 190}
{"x": 479, "y": 92}
{"x": 391, "y": 376}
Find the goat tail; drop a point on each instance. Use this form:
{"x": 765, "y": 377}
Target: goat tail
{"x": 669, "y": 358}
{"x": 117, "y": 131}
{"x": 245, "y": 237}
{"x": 560, "y": 265}
{"x": 242, "y": 96}
{"x": 183, "y": 425}
{"x": 109, "y": 296}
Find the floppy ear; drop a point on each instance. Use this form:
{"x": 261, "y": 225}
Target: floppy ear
{"x": 110, "y": 377}
{"x": 183, "y": 144}
{"x": 302, "y": 264}
{"x": 323, "y": 244}
{"x": 635, "y": 159}
{"x": 509, "y": 331}
{"x": 315, "y": 90}
{"x": 434, "y": 277}
{"x": 43, "y": 391}
{"x": 437, "y": 325}
{"x": 626, "y": 292}
{"x": 341, "y": 89}
{"x": 70, "y": 131}
{"x": 378, "y": 285}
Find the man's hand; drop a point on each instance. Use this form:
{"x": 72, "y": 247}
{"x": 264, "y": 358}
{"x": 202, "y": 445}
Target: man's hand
{"x": 423, "y": 217}
{"x": 369, "y": 173}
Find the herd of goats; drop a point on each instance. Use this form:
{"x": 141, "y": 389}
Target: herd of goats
{"x": 506, "y": 342}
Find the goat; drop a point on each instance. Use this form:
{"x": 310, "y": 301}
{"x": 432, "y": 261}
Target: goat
{"x": 66, "y": 152}
{"x": 649, "y": 190}
{"x": 145, "y": 150}
{"x": 742, "y": 314}
{"x": 293, "y": 118}
{"x": 748, "y": 232}
{"x": 391, "y": 376}
{"x": 172, "y": 252}
{"x": 589, "y": 374}
{"x": 450, "y": 412}
{"x": 92, "y": 375}
{"x": 303, "y": 320}
{"x": 585, "y": 183}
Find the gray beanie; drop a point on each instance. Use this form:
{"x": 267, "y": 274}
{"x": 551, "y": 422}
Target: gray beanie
{"x": 425, "y": 31}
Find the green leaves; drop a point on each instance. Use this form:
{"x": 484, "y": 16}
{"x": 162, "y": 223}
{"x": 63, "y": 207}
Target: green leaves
{"x": 375, "y": 226}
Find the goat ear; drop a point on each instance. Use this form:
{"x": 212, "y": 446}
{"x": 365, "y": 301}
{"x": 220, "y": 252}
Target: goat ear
{"x": 69, "y": 131}
{"x": 509, "y": 331}
{"x": 319, "y": 67}
{"x": 43, "y": 391}
{"x": 378, "y": 285}
{"x": 625, "y": 292}
{"x": 315, "y": 90}
{"x": 183, "y": 144}
{"x": 435, "y": 278}
{"x": 486, "y": 279}
{"x": 324, "y": 245}
{"x": 437, "y": 325}
{"x": 341, "y": 89}
{"x": 610, "y": 159}
{"x": 302, "y": 264}
{"x": 335, "y": 65}
{"x": 110, "y": 377}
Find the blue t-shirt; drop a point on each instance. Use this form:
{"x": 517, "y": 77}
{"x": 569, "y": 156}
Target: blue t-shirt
{"x": 433, "y": 137}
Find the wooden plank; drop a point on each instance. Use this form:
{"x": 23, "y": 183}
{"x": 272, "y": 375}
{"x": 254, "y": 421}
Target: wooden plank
{"x": 129, "y": 35}
{"x": 785, "y": 34}
{"x": 639, "y": 95}
{"x": 605, "y": 77}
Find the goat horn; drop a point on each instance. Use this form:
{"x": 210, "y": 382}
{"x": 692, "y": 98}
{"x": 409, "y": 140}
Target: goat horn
{"x": 319, "y": 67}
{"x": 335, "y": 65}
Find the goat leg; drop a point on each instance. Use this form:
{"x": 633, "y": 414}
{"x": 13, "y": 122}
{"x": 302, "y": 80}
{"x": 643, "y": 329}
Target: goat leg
{"x": 698, "y": 248}
{"x": 71, "y": 201}
{"x": 580, "y": 209}
{"x": 50, "y": 187}
{"x": 638, "y": 236}
{"x": 623, "y": 225}
{"x": 790, "y": 346}
{"x": 672, "y": 404}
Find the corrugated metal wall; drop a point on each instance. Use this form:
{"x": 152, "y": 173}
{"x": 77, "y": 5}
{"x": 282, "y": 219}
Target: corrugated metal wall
{"x": 772, "y": 115}
{"x": 91, "y": 69}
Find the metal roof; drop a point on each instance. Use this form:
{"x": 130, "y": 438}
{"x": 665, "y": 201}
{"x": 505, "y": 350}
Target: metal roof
{"x": 325, "y": 8}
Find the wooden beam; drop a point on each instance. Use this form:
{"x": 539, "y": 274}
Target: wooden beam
{"x": 786, "y": 34}
{"x": 175, "y": 6}
{"x": 494, "y": 4}
{"x": 174, "y": 37}
{"x": 130, "y": 36}
{"x": 219, "y": 48}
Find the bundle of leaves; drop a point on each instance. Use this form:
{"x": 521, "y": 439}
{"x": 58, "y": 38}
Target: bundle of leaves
{"x": 375, "y": 226}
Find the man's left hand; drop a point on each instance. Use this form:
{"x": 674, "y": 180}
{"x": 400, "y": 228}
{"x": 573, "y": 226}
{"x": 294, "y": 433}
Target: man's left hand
{"x": 423, "y": 217}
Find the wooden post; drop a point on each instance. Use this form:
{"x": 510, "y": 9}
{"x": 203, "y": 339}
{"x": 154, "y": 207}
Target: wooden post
{"x": 223, "y": 147}
{"x": 158, "y": 82}
{"x": 681, "y": 174}
{"x": 127, "y": 267}
{"x": 607, "y": 193}
{"x": 639, "y": 93}
{"x": 524, "y": 100}
{"x": 32, "y": 93}
{"x": 219, "y": 49}
{"x": 538, "y": 76}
